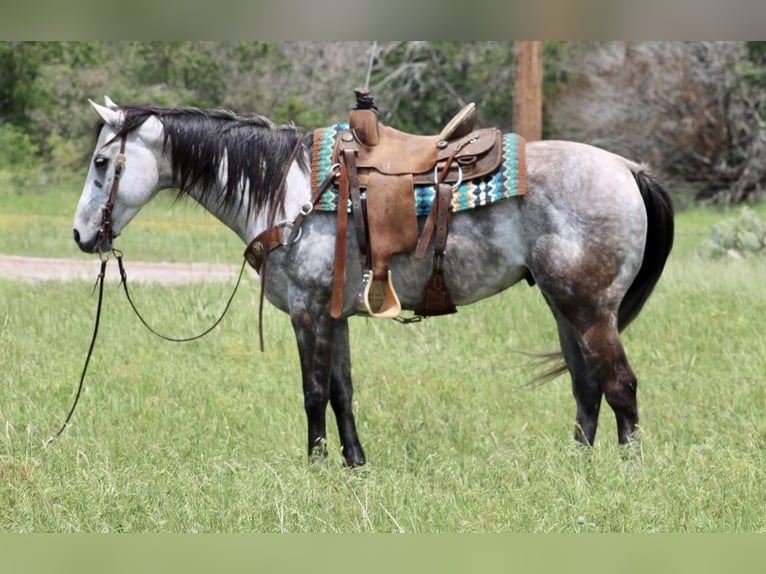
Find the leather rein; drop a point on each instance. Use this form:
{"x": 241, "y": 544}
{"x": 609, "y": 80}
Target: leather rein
{"x": 104, "y": 232}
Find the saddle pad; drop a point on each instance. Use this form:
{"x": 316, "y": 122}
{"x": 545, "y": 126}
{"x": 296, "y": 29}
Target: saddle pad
{"x": 508, "y": 181}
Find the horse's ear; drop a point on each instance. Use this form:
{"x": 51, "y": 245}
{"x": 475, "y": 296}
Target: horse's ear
{"x": 110, "y": 117}
{"x": 110, "y": 104}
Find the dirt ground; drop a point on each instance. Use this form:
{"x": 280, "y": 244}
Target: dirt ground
{"x": 52, "y": 269}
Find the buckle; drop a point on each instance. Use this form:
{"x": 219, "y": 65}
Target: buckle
{"x": 287, "y": 229}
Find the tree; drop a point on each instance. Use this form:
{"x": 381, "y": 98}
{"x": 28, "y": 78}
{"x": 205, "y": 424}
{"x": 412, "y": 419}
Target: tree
{"x": 420, "y": 85}
{"x": 20, "y": 70}
{"x": 692, "y": 110}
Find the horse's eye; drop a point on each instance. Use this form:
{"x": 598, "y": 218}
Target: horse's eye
{"x": 99, "y": 162}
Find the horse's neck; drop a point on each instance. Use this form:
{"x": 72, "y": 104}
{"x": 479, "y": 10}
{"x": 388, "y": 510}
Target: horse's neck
{"x": 247, "y": 224}
{"x": 234, "y": 217}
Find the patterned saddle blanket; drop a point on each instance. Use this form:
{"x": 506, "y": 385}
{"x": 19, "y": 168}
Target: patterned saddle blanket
{"x": 507, "y": 181}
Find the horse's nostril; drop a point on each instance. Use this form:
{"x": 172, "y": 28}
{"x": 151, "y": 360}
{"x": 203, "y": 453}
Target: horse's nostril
{"x": 76, "y": 236}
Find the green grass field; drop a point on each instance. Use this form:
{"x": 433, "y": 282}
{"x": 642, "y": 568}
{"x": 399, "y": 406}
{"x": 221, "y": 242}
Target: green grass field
{"x": 209, "y": 436}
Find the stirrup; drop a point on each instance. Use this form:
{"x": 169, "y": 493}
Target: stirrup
{"x": 380, "y": 299}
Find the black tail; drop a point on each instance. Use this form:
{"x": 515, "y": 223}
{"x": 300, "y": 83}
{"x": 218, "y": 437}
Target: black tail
{"x": 659, "y": 241}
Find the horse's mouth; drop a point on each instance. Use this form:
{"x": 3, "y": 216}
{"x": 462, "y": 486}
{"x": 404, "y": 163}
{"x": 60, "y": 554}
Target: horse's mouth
{"x": 94, "y": 244}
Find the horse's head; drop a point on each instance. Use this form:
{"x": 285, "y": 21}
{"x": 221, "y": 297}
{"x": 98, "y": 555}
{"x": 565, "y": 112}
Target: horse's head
{"x": 126, "y": 171}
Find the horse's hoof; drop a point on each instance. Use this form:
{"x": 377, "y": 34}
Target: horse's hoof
{"x": 354, "y": 458}
{"x": 355, "y": 463}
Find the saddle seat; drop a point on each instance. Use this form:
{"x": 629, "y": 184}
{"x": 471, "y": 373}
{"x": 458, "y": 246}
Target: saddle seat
{"x": 380, "y": 166}
{"x": 393, "y": 152}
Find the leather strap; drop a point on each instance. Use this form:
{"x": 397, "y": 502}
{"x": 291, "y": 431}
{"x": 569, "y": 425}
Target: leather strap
{"x": 437, "y": 299}
{"x": 263, "y": 244}
{"x": 270, "y": 225}
{"x": 428, "y": 229}
{"x": 442, "y": 204}
{"x": 336, "y": 305}
{"x": 268, "y": 240}
{"x": 105, "y": 231}
{"x": 357, "y": 205}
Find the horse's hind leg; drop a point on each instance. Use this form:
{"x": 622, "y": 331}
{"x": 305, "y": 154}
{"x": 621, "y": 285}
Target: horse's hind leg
{"x": 596, "y": 360}
{"x": 586, "y": 390}
{"x": 607, "y": 366}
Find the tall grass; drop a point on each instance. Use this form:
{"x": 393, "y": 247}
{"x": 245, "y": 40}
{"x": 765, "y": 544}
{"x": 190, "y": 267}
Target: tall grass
{"x": 210, "y": 436}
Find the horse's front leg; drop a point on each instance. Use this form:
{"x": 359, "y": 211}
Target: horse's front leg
{"x": 341, "y": 395}
{"x": 314, "y": 333}
{"x": 323, "y": 347}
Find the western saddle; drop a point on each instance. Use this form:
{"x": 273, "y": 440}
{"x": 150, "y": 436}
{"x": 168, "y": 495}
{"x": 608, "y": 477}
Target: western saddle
{"x": 379, "y": 167}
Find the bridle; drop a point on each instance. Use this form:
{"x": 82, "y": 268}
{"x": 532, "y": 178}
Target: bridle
{"x": 105, "y": 230}
{"x": 105, "y": 235}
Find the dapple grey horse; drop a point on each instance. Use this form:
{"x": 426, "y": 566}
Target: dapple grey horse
{"x": 593, "y": 232}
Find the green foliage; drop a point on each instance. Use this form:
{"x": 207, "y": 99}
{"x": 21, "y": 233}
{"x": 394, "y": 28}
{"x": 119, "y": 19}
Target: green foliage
{"x": 292, "y": 109}
{"x": 190, "y": 70}
{"x": 20, "y": 70}
{"x": 421, "y": 84}
{"x": 756, "y": 52}
{"x": 248, "y": 53}
{"x": 555, "y": 76}
{"x": 16, "y": 147}
{"x": 418, "y": 86}
{"x": 19, "y": 159}
{"x": 26, "y": 88}
{"x": 742, "y": 236}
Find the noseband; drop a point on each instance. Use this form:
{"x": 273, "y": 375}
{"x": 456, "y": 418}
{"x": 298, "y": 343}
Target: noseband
{"x": 105, "y": 231}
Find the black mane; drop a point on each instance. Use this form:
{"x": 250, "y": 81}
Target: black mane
{"x": 255, "y": 148}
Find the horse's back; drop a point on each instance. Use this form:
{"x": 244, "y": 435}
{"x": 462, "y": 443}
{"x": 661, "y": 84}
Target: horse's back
{"x": 574, "y": 165}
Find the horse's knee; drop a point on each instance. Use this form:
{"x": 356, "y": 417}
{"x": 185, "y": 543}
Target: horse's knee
{"x": 315, "y": 400}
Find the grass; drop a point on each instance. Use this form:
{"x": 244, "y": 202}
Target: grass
{"x": 209, "y": 436}
{"x": 40, "y": 225}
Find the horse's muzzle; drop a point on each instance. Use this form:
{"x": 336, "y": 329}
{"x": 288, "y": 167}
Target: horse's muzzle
{"x": 92, "y": 245}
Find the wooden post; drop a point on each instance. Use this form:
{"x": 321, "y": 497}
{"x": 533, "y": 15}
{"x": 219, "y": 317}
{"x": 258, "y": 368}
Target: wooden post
{"x": 528, "y": 95}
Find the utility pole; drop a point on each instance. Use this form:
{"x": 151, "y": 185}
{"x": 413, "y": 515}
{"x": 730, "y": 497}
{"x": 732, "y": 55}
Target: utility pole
{"x": 528, "y": 94}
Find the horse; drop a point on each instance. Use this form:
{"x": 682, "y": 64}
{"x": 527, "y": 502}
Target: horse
{"x": 593, "y": 232}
